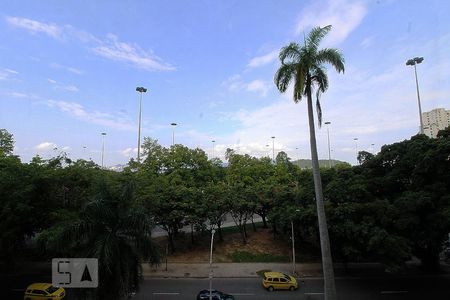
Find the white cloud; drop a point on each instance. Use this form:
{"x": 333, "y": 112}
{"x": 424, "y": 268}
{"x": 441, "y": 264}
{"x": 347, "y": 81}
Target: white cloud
{"x": 95, "y": 117}
{"x": 110, "y": 48}
{"x": 21, "y": 95}
{"x": 259, "y": 86}
{"x": 113, "y": 49}
{"x": 70, "y": 88}
{"x": 69, "y": 69}
{"x": 18, "y": 95}
{"x": 263, "y": 60}
{"x": 344, "y": 15}
{"x": 235, "y": 83}
{"x": 33, "y": 26}
{"x": 6, "y": 74}
{"x": 46, "y": 146}
{"x": 367, "y": 42}
{"x": 128, "y": 152}
{"x": 11, "y": 71}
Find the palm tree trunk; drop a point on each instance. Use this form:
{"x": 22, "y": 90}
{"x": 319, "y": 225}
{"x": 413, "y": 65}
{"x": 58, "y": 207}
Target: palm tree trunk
{"x": 327, "y": 262}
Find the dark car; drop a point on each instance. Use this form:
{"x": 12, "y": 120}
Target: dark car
{"x": 447, "y": 253}
{"x": 216, "y": 295}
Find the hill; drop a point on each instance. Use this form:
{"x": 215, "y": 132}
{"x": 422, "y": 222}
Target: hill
{"x": 307, "y": 164}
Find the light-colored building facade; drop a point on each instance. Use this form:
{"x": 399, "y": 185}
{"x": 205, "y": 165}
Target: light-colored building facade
{"x": 435, "y": 120}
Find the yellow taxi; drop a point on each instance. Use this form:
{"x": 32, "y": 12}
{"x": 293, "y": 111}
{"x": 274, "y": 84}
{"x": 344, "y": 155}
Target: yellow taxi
{"x": 42, "y": 291}
{"x": 279, "y": 281}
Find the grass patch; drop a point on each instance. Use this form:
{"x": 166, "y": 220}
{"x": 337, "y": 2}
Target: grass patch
{"x": 245, "y": 256}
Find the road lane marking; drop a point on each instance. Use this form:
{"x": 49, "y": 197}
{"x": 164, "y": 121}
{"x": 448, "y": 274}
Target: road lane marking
{"x": 312, "y": 294}
{"x": 242, "y": 294}
{"x": 173, "y": 294}
{"x": 393, "y": 292}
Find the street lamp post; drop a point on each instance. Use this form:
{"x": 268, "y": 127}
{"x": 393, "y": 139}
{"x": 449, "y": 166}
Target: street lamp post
{"x": 273, "y": 149}
{"x": 173, "y": 133}
{"x": 293, "y": 247}
{"x": 213, "y": 143}
{"x": 210, "y": 264}
{"x": 103, "y": 146}
{"x": 356, "y": 148}
{"x": 293, "y": 244}
{"x": 298, "y": 156}
{"x": 329, "y": 149}
{"x": 413, "y": 62}
{"x": 84, "y": 152}
{"x": 141, "y": 90}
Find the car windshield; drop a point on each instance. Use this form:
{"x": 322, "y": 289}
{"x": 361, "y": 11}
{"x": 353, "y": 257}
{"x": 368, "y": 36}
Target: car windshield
{"x": 287, "y": 277}
{"x": 51, "y": 290}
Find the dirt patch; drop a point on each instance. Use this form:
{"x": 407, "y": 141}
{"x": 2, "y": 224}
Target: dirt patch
{"x": 260, "y": 242}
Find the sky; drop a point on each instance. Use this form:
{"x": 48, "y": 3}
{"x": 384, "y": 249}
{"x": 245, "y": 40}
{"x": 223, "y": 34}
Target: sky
{"x": 69, "y": 71}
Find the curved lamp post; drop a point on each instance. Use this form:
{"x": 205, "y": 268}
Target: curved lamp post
{"x": 140, "y": 90}
{"x": 210, "y": 264}
{"x": 329, "y": 149}
{"x": 413, "y": 62}
{"x": 173, "y": 133}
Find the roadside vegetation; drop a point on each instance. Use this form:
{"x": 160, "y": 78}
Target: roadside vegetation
{"x": 390, "y": 207}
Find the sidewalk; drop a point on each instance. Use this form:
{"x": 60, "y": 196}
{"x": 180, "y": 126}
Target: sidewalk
{"x": 222, "y": 270}
{"x": 240, "y": 270}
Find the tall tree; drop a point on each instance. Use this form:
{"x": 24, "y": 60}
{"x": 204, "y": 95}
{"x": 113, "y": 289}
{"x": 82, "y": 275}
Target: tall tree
{"x": 116, "y": 232}
{"x": 304, "y": 64}
{"x": 6, "y": 142}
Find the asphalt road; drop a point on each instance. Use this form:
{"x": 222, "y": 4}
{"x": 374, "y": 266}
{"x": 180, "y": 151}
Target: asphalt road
{"x": 435, "y": 287}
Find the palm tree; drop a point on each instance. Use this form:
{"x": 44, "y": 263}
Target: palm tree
{"x": 111, "y": 229}
{"x": 304, "y": 65}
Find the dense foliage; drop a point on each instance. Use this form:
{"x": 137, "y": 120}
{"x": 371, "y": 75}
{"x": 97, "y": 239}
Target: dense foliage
{"x": 392, "y": 206}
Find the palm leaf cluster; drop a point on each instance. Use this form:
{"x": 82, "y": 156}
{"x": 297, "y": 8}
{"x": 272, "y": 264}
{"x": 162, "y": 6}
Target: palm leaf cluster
{"x": 304, "y": 65}
{"x": 116, "y": 232}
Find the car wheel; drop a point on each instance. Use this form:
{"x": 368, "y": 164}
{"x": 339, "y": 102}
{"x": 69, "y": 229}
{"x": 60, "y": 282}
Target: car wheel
{"x": 292, "y": 288}
{"x": 270, "y": 288}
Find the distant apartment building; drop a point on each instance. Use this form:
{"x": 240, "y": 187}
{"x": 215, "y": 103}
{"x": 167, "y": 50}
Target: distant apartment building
{"x": 435, "y": 120}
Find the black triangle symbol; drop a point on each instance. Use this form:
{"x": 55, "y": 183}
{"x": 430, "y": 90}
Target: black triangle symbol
{"x": 86, "y": 275}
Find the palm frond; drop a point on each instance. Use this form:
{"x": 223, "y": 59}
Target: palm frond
{"x": 299, "y": 85}
{"x": 290, "y": 53}
{"x": 333, "y": 57}
{"x": 319, "y": 76}
{"x": 284, "y": 76}
{"x": 318, "y": 108}
{"x": 315, "y": 37}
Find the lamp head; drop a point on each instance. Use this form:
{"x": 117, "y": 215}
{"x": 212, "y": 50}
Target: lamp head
{"x": 141, "y": 89}
{"x": 418, "y": 60}
{"x": 414, "y": 61}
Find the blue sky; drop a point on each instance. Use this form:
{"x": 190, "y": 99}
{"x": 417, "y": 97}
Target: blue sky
{"x": 69, "y": 69}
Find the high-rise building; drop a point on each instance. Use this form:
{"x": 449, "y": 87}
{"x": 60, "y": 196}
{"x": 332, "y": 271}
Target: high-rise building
{"x": 435, "y": 120}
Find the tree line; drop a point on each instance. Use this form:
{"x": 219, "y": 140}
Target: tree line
{"x": 390, "y": 207}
